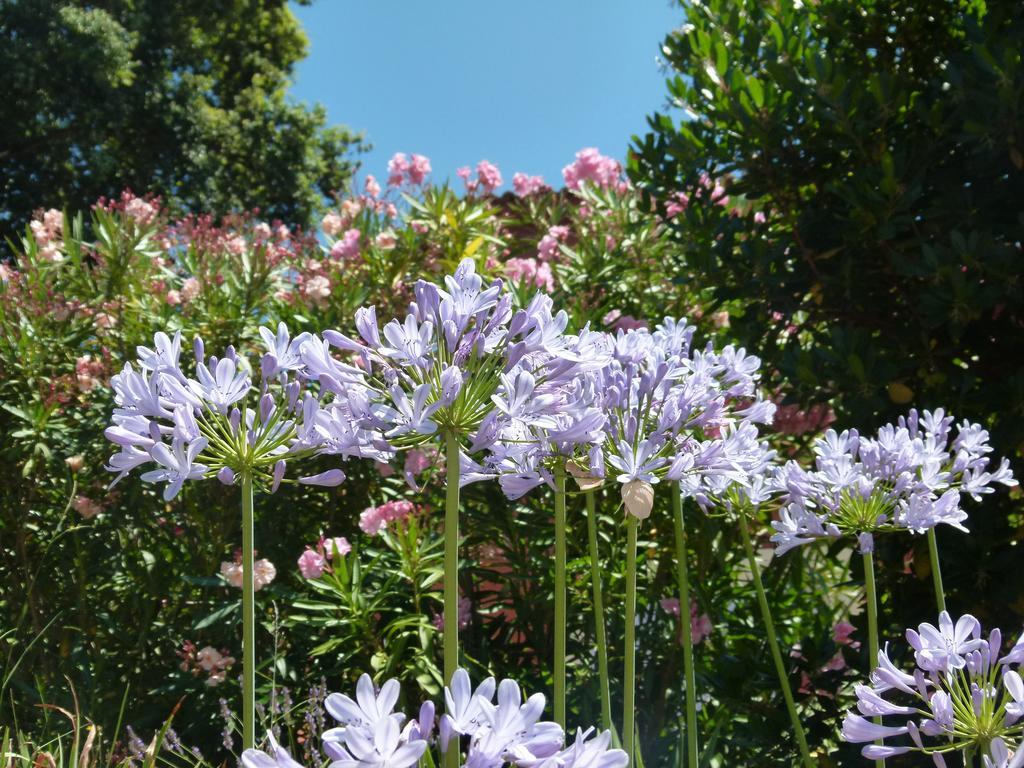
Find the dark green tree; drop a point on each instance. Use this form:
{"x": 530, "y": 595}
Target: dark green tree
{"x": 185, "y": 99}
{"x": 882, "y": 142}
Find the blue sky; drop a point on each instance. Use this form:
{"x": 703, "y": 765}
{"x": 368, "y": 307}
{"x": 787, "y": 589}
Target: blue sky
{"x": 523, "y": 84}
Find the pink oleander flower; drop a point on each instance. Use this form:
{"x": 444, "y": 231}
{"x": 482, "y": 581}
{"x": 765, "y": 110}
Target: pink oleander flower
{"x": 236, "y": 245}
{"x": 214, "y": 663}
{"x": 331, "y": 223}
{"x": 841, "y": 634}
{"x": 794, "y": 420}
{"x": 142, "y": 211}
{"x": 398, "y": 166}
{"x": 489, "y": 176}
{"x": 373, "y": 520}
{"x": 700, "y": 623}
{"x": 337, "y": 542}
{"x": 173, "y": 297}
{"x": 189, "y": 289}
{"x": 261, "y": 232}
{"x": 386, "y": 240}
{"x": 86, "y": 507}
{"x": 616, "y": 321}
{"x": 547, "y": 248}
{"x": 348, "y": 247}
{"x": 591, "y": 166}
{"x": 316, "y": 288}
{"x": 383, "y": 468}
{"x": 676, "y": 204}
{"x": 264, "y": 572}
{"x": 88, "y": 372}
{"x": 759, "y": 217}
{"x": 371, "y": 186}
{"x": 524, "y": 185}
{"x": 530, "y": 272}
{"x": 419, "y": 167}
{"x": 718, "y": 194}
{"x": 312, "y": 564}
{"x": 720, "y": 319}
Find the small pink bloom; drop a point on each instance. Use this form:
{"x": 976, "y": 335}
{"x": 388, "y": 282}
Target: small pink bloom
{"x": 86, "y": 507}
{"x": 591, "y": 166}
{"x": 418, "y": 169}
{"x": 385, "y": 240}
{"x": 835, "y": 664}
{"x": 398, "y": 166}
{"x": 720, "y": 319}
{"x": 371, "y": 186}
{"x": 489, "y": 176}
{"x": 173, "y": 297}
{"x": 261, "y": 232}
{"x": 311, "y": 564}
{"x": 841, "y": 634}
{"x": 547, "y": 248}
{"x": 338, "y": 542}
{"x": 670, "y": 605}
{"x": 348, "y": 247}
{"x": 316, "y": 288}
{"x": 524, "y": 185}
{"x": 331, "y": 223}
{"x": 760, "y": 218}
{"x": 189, "y": 289}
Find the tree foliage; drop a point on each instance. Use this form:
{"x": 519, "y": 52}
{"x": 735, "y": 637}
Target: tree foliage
{"x": 879, "y": 148}
{"x": 185, "y": 99}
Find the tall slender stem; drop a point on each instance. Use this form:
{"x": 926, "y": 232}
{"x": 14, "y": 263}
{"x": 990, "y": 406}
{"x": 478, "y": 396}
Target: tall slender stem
{"x": 451, "y": 572}
{"x": 933, "y": 554}
{"x": 560, "y": 593}
{"x": 773, "y": 641}
{"x": 599, "y": 629}
{"x": 629, "y": 673}
{"x": 871, "y": 597}
{"x": 248, "y": 618}
{"x": 683, "y": 577}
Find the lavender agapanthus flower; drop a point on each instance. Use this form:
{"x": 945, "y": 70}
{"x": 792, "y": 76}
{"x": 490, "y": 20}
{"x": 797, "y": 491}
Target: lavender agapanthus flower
{"x": 910, "y": 476}
{"x": 503, "y": 732}
{"x": 962, "y": 695}
{"x": 217, "y": 423}
{"x": 439, "y": 370}
{"x": 676, "y": 413}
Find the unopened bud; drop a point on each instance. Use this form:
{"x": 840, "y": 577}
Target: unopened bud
{"x": 638, "y": 496}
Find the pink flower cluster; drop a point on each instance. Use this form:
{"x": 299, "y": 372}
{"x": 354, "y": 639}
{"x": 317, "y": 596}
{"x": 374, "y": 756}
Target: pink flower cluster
{"x": 264, "y": 572}
{"x": 488, "y": 177}
{"x": 207, "y": 660}
{"x": 593, "y": 167}
{"x": 530, "y": 272}
{"x": 524, "y": 185}
{"x": 794, "y": 420}
{"x": 412, "y": 170}
{"x": 86, "y": 507}
{"x": 314, "y": 561}
{"x": 680, "y": 201}
{"x": 375, "y": 519}
{"x": 47, "y": 231}
{"x": 700, "y": 624}
{"x": 89, "y": 372}
{"x": 347, "y": 248}
{"x": 547, "y": 248}
{"x": 616, "y": 321}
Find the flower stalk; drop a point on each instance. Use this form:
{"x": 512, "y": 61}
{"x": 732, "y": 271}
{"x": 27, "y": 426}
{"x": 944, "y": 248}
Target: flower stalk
{"x": 933, "y": 554}
{"x": 871, "y": 597}
{"x": 560, "y": 593}
{"x": 683, "y": 578}
{"x": 451, "y": 570}
{"x": 599, "y": 626}
{"x": 773, "y": 642}
{"x": 248, "y": 618}
{"x": 629, "y": 671}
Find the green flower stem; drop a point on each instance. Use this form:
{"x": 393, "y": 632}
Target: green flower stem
{"x": 599, "y": 629}
{"x": 871, "y": 596}
{"x": 933, "y": 554}
{"x": 629, "y": 676}
{"x": 451, "y": 572}
{"x": 773, "y": 642}
{"x": 248, "y": 618}
{"x": 683, "y": 578}
{"x": 560, "y": 593}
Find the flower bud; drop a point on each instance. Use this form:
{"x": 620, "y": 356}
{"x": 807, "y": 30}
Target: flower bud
{"x": 328, "y": 478}
{"x": 198, "y": 349}
{"x": 266, "y": 407}
{"x": 230, "y": 353}
{"x": 451, "y": 385}
{"x": 235, "y": 419}
{"x": 278, "y": 475}
{"x": 268, "y": 366}
{"x": 585, "y": 480}
{"x": 638, "y": 496}
{"x": 76, "y": 462}
{"x": 226, "y": 476}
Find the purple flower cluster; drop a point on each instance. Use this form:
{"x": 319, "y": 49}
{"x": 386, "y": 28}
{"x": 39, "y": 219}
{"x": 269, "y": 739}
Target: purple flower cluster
{"x": 493, "y": 733}
{"x": 215, "y": 422}
{"x": 676, "y": 413}
{"x": 962, "y": 695}
{"x": 910, "y": 476}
